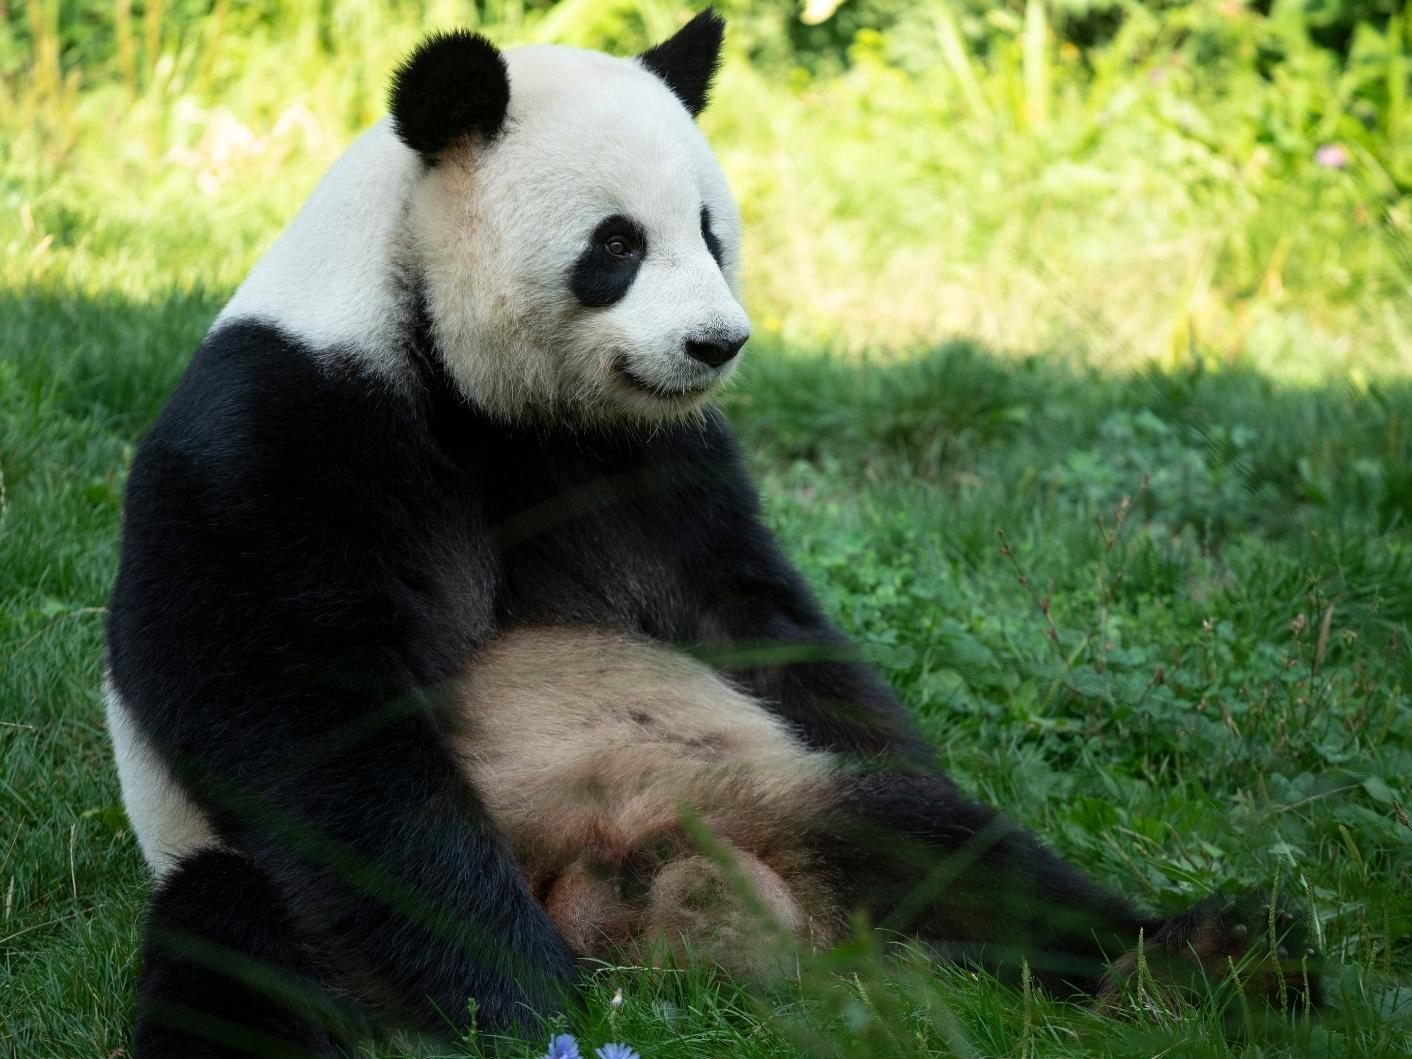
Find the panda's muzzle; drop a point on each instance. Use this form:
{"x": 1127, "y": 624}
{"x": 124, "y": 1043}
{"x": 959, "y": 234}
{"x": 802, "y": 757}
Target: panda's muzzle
{"x": 656, "y": 389}
{"x": 700, "y": 371}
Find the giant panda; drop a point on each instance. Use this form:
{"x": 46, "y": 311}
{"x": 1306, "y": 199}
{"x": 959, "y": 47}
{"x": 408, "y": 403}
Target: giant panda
{"x": 448, "y": 645}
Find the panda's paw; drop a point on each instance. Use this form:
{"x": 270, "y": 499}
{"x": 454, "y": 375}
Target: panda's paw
{"x": 730, "y": 909}
{"x": 1258, "y": 946}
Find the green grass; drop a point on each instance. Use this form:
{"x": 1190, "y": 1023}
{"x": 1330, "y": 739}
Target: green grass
{"x": 1173, "y": 314}
{"x": 1262, "y": 750}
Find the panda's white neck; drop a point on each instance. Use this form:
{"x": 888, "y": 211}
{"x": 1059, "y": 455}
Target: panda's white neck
{"x": 332, "y": 277}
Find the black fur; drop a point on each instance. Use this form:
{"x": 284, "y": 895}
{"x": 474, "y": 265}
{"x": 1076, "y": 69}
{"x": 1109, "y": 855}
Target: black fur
{"x": 309, "y": 556}
{"x": 709, "y": 237}
{"x": 997, "y": 896}
{"x": 455, "y": 84}
{"x": 688, "y": 59}
{"x": 598, "y": 278}
{"x": 304, "y": 565}
{"x": 224, "y": 971}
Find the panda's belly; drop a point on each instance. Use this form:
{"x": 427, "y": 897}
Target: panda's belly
{"x": 587, "y": 747}
{"x": 589, "y": 742}
{"x": 648, "y": 803}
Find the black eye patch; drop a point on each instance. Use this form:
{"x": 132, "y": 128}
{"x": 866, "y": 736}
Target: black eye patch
{"x": 609, "y": 263}
{"x": 712, "y": 243}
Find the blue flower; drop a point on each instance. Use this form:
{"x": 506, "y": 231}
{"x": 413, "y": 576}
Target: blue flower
{"x": 563, "y": 1047}
{"x": 616, "y": 1051}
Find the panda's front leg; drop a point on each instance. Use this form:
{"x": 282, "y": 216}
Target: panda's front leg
{"x": 389, "y": 871}
{"x": 390, "y": 858}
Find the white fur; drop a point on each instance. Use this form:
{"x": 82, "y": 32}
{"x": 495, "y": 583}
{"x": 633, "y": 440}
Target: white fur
{"x": 493, "y": 232}
{"x": 574, "y": 734}
{"x": 496, "y": 230}
{"x": 167, "y": 822}
{"x": 331, "y": 278}
{"x": 591, "y": 748}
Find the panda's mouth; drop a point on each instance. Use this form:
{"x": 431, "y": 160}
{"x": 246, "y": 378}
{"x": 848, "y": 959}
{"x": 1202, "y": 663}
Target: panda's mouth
{"x": 657, "y": 390}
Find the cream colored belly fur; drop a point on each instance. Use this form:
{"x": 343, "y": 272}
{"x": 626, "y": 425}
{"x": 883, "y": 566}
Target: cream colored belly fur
{"x": 644, "y": 797}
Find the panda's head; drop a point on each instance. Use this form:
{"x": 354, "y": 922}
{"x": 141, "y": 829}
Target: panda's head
{"x": 575, "y": 240}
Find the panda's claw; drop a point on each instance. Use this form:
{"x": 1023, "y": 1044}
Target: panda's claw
{"x": 1198, "y": 947}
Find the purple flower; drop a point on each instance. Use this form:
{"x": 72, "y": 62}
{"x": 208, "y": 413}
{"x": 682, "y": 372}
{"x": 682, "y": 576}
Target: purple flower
{"x": 1332, "y": 156}
{"x": 563, "y": 1047}
{"x": 616, "y": 1051}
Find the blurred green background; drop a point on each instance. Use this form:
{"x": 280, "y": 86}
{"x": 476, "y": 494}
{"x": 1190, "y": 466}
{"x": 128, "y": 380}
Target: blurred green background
{"x": 1081, "y": 387}
{"x": 1169, "y": 180}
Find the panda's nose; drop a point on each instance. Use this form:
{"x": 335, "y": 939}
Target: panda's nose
{"x": 714, "y": 350}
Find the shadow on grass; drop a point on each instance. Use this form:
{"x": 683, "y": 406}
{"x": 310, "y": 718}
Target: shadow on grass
{"x": 934, "y": 415}
{"x": 1036, "y": 445}
{"x": 100, "y": 357}
{"x": 1201, "y": 453}
{"x": 1231, "y": 438}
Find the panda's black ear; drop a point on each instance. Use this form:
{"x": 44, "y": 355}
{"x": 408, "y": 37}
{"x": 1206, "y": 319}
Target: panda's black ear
{"x": 453, "y": 85}
{"x": 687, "y": 60}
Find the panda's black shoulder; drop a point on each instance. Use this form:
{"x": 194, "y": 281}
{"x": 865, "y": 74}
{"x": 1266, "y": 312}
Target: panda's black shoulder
{"x": 253, "y": 396}
{"x": 288, "y": 495}
{"x": 266, "y": 443}
{"x": 264, "y": 440}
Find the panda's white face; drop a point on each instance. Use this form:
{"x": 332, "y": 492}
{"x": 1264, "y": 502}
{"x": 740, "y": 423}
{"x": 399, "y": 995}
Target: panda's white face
{"x": 584, "y": 261}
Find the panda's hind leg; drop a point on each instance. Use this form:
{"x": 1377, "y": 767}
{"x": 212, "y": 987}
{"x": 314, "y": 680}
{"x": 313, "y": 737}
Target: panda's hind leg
{"x": 924, "y": 860}
{"x": 224, "y": 973}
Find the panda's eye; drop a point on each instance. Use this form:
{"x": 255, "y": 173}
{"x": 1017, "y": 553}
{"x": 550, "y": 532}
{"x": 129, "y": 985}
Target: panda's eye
{"x": 609, "y": 262}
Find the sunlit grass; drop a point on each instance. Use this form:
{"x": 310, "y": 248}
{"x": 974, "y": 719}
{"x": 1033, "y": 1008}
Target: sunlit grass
{"x": 1167, "y": 299}
{"x": 1145, "y": 202}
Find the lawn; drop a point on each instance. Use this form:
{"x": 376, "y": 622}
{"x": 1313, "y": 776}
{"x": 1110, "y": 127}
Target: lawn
{"x": 1082, "y": 392}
